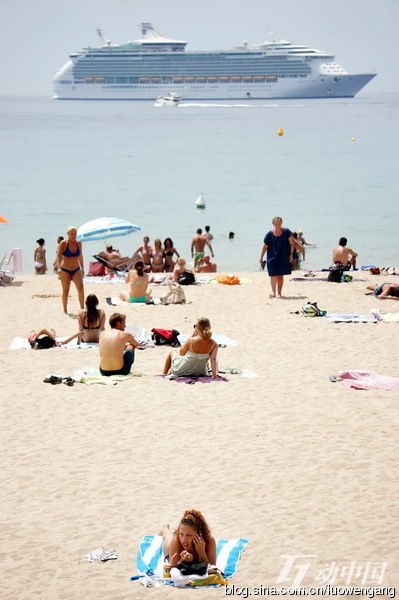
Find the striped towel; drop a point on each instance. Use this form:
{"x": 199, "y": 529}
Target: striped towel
{"x": 150, "y": 556}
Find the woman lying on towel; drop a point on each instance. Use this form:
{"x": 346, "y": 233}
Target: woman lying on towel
{"x": 44, "y": 339}
{"x": 386, "y": 291}
{"x": 192, "y": 358}
{"x": 190, "y": 542}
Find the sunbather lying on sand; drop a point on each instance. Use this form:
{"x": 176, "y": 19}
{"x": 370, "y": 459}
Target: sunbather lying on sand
{"x": 44, "y": 339}
{"x": 385, "y": 291}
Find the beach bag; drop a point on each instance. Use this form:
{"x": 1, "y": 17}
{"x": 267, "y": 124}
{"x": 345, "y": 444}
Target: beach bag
{"x": 96, "y": 269}
{"x": 335, "y": 274}
{"x": 310, "y": 309}
{"x": 186, "y": 278}
{"x": 165, "y": 337}
{"x": 175, "y": 295}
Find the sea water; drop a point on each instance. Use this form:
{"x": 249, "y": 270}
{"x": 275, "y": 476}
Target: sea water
{"x": 334, "y": 172}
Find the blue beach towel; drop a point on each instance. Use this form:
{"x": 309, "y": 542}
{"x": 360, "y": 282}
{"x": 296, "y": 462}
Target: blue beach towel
{"x": 150, "y": 556}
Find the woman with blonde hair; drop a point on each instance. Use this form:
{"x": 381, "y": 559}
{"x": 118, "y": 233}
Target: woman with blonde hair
{"x": 157, "y": 265}
{"x": 193, "y": 357}
{"x": 190, "y": 542}
{"x": 70, "y": 267}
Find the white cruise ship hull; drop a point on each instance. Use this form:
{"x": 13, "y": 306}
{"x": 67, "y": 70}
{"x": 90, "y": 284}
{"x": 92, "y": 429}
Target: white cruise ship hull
{"x": 344, "y": 86}
{"x": 155, "y": 66}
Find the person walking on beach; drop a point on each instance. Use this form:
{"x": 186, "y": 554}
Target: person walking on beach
{"x": 342, "y": 255}
{"x": 278, "y": 245}
{"x": 116, "y": 347}
{"x": 70, "y": 261}
{"x": 198, "y": 244}
{"x": 39, "y": 257}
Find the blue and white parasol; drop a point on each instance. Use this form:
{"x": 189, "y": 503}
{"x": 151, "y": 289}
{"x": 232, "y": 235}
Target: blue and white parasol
{"x": 105, "y": 227}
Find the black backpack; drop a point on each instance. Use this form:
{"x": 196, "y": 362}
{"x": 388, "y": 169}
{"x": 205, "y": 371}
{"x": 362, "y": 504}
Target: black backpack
{"x": 186, "y": 278}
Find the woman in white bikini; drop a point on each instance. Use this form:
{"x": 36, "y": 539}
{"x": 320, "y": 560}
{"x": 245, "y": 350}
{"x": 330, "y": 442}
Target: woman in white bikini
{"x": 193, "y": 357}
{"x": 157, "y": 265}
{"x": 145, "y": 253}
{"x": 91, "y": 321}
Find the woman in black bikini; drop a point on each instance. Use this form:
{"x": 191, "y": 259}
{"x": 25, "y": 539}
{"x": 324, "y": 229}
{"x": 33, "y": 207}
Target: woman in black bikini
{"x": 70, "y": 261}
{"x": 168, "y": 252}
{"x": 91, "y": 321}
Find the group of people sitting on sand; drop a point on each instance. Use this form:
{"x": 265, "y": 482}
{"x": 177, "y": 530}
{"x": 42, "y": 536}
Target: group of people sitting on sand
{"x": 117, "y": 346}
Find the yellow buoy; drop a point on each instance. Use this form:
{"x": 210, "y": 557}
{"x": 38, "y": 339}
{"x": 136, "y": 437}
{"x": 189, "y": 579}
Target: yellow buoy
{"x": 353, "y": 139}
{"x": 280, "y": 131}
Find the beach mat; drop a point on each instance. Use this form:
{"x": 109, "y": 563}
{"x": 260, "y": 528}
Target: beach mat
{"x": 91, "y": 376}
{"x": 351, "y": 317}
{"x": 150, "y": 556}
{"x": 367, "y": 380}
{"x": 20, "y": 343}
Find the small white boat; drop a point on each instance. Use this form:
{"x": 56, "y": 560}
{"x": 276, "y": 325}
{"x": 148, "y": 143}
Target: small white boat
{"x": 200, "y": 202}
{"x": 170, "y": 99}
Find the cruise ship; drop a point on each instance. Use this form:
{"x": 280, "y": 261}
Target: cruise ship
{"x": 153, "y": 66}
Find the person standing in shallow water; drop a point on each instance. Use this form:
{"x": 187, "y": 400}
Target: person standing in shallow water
{"x": 278, "y": 245}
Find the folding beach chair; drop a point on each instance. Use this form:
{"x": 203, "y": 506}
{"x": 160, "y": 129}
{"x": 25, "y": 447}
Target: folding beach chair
{"x": 11, "y": 262}
{"x": 122, "y": 267}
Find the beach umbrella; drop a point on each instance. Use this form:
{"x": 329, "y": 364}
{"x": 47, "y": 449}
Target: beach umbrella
{"x": 3, "y": 219}
{"x": 106, "y": 227}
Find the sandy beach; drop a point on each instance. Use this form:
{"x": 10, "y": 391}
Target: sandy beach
{"x": 293, "y": 462}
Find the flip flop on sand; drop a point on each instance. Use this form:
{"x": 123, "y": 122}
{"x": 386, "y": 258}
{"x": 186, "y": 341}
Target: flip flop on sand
{"x": 53, "y": 379}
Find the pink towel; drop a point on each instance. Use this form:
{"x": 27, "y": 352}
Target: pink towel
{"x": 367, "y": 380}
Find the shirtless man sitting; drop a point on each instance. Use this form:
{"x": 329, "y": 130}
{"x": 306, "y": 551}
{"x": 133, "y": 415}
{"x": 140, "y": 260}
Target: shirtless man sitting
{"x": 116, "y": 347}
{"x": 198, "y": 245}
{"x": 344, "y": 256}
{"x": 205, "y": 265}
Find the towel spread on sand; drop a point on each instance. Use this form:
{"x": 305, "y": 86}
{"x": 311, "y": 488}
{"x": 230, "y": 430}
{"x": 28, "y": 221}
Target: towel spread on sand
{"x": 192, "y": 380}
{"x": 351, "y": 317}
{"x": 367, "y": 380}
{"x": 150, "y": 556}
{"x": 105, "y": 279}
{"x": 91, "y": 376}
{"x": 388, "y": 317}
{"x": 20, "y": 343}
{"x": 315, "y": 278}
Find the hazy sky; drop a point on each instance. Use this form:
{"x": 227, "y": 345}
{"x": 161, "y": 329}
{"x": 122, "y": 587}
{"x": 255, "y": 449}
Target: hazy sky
{"x": 37, "y": 36}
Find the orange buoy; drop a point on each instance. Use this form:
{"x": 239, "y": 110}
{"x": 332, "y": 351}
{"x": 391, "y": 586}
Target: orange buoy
{"x": 280, "y": 131}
